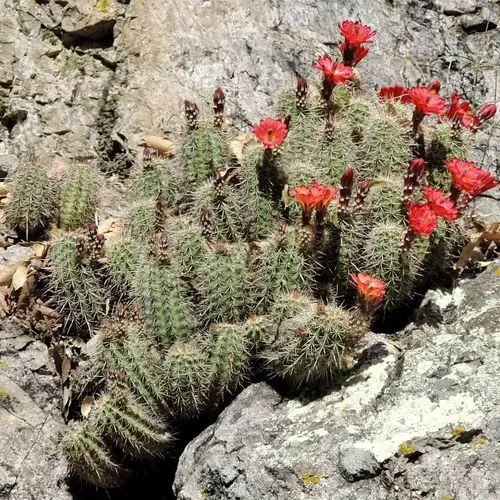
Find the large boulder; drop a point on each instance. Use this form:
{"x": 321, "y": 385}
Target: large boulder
{"x": 417, "y": 417}
{"x": 31, "y": 464}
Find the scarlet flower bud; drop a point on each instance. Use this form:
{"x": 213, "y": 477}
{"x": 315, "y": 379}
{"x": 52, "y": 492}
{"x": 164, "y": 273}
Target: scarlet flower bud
{"x": 416, "y": 168}
{"x": 100, "y": 237}
{"x": 192, "y": 113}
{"x": 120, "y": 309}
{"x": 147, "y": 155}
{"x": 487, "y": 112}
{"x": 219, "y": 96}
{"x": 301, "y": 93}
{"x": 363, "y": 190}
{"x": 92, "y": 228}
{"x": 435, "y": 87}
{"x": 219, "y": 102}
{"x": 345, "y": 189}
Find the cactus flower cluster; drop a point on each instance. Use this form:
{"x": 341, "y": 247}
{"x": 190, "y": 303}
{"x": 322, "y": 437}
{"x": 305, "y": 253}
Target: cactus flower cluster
{"x": 345, "y": 204}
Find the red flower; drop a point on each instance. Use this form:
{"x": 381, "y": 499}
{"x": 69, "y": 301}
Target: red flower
{"x": 271, "y": 132}
{"x": 461, "y": 112}
{"x": 335, "y": 71}
{"x": 356, "y": 33}
{"x": 371, "y": 291}
{"x": 421, "y": 218}
{"x": 317, "y": 196}
{"x": 487, "y": 112}
{"x": 441, "y": 204}
{"x": 396, "y": 92}
{"x": 469, "y": 178}
{"x": 306, "y": 198}
{"x": 325, "y": 196}
{"x": 356, "y": 54}
{"x": 471, "y": 121}
{"x": 325, "y": 64}
{"x": 426, "y": 102}
{"x": 457, "y": 109}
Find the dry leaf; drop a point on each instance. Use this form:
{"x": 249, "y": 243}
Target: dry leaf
{"x": 237, "y": 146}
{"x": 67, "y": 393}
{"x": 27, "y": 291}
{"x": 65, "y": 369}
{"x": 19, "y": 277}
{"x": 40, "y": 250}
{"x": 113, "y": 229}
{"x": 107, "y": 225}
{"x": 4, "y": 307}
{"x": 87, "y": 403}
{"x": 7, "y": 273}
{"x": 4, "y": 190}
{"x": 163, "y": 146}
{"x": 56, "y": 232}
{"x": 46, "y": 311}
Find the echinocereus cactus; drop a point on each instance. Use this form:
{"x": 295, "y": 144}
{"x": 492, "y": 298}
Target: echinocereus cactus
{"x": 274, "y": 256}
{"x": 78, "y": 199}
{"x": 32, "y": 200}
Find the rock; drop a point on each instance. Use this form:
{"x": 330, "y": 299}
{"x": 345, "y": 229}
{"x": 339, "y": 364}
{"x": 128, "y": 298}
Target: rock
{"x": 14, "y": 254}
{"x": 31, "y": 464}
{"x": 401, "y": 426}
{"x": 356, "y": 464}
{"x": 457, "y": 7}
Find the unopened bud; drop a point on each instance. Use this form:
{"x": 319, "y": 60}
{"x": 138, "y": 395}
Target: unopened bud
{"x": 415, "y": 171}
{"x": 301, "y": 93}
{"x": 287, "y": 121}
{"x": 192, "y": 113}
{"x": 219, "y": 103}
{"x": 345, "y": 189}
{"x": 435, "y": 87}
{"x": 363, "y": 190}
{"x": 487, "y": 112}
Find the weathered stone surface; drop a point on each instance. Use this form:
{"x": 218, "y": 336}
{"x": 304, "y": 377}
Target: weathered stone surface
{"x": 422, "y": 422}
{"x": 31, "y": 465}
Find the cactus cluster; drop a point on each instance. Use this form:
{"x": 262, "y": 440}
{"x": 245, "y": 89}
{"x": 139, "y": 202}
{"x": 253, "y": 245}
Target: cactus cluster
{"x": 37, "y": 200}
{"x": 277, "y": 257}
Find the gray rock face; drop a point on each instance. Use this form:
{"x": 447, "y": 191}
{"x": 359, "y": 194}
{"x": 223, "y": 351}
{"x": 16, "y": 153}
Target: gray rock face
{"x": 79, "y": 79}
{"x": 31, "y": 465}
{"x": 421, "y": 421}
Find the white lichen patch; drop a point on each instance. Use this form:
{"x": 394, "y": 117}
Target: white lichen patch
{"x": 321, "y": 432}
{"x": 444, "y": 339}
{"x": 489, "y": 307}
{"x": 424, "y": 367}
{"x": 417, "y": 417}
{"x": 358, "y": 396}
